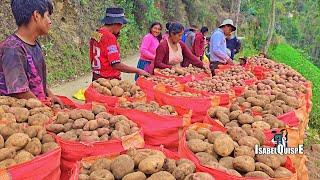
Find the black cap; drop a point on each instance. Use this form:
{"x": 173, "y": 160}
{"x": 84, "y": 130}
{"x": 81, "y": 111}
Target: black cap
{"x": 114, "y": 16}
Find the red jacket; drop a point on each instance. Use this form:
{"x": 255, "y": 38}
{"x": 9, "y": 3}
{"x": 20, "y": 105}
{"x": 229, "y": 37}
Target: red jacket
{"x": 162, "y": 56}
{"x": 198, "y": 45}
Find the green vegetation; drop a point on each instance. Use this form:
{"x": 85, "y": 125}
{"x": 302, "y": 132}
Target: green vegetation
{"x": 286, "y": 54}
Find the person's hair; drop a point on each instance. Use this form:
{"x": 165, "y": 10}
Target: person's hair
{"x": 168, "y": 25}
{"x": 204, "y": 29}
{"x": 159, "y": 37}
{"x": 22, "y": 10}
{"x": 175, "y": 28}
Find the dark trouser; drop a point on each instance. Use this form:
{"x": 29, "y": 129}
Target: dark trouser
{"x": 214, "y": 65}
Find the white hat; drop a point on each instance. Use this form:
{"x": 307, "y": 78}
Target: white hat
{"x": 228, "y": 22}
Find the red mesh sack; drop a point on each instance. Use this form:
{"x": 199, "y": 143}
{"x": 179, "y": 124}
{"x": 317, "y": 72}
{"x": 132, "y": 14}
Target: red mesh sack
{"x": 43, "y": 167}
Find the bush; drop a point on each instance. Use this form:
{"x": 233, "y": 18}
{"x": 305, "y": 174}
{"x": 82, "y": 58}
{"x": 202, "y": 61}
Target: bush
{"x": 286, "y": 54}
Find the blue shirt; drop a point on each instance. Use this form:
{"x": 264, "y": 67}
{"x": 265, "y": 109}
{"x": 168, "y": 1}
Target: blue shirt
{"x": 218, "y": 46}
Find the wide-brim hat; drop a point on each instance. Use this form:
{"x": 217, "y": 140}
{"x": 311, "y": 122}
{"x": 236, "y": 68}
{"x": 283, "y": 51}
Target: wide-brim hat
{"x": 228, "y": 22}
{"x": 114, "y": 16}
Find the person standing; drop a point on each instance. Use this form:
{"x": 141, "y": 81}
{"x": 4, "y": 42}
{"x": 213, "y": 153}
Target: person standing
{"x": 148, "y": 47}
{"x": 105, "y": 50}
{"x": 173, "y": 52}
{"x": 233, "y": 43}
{"x": 22, "y": 65}
{"x": 190, "y": 36}
{"x": 218, "y": 47}
{"x": 199, "y": 44}
{"x": 166, "y": 34}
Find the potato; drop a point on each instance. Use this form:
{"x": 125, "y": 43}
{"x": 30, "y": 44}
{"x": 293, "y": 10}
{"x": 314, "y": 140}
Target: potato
{"x": 117, "y": 91}
{"x": 282, "y": 172}
{"x": 135, "y": 176}
{"x": 205, "y": 157}
{"x": 226, "y": 162}
{"x": 169, "y": 165}
{"x": 184, "y": 169}
{"x": 103, "y": 115}
{"x": 102, "y": 163}
{"x": 250, "y": 93}
{"x": 234, "y": 172}
{"x": 264, "y": 168}
{"x": 258, "y": 134}
{"x": 114, "y": 82}
{"x": 7, "y": 163}
{"x": 17, "y": 141}
{"x": 101, "y": 174}
{"x": 216, "y": 165}
{"x": 75, "y": 114}
{"x": 197, "y": 145}
{"x": 56, "y": 128}
{"x": 261, "y": 125}
{"x": 258, "y": 174}
{"x": 18, "y": 127}
{"x": 46, "y": 147}
{"x": 244, "y": 164}
{"x": 5, "y": 132}
{"x": 34, "y": 146}
{"x": 192, "y": 134}
{"x": 198, "y": 176}
{"x": 235, "y": 114}
{"x": 89, "y": 138}
{"x": 38, "y": 119}
{"x": 79, "y": 123}
{"x": 269, "y": 160}
{"x": 70, "y": 136}
{"x": 222, "y": 117}
{"x": 123, "y": 126}
{"x": 62, "y": 118}
{"x": 21, "y": 114}
{"x": 121, "y": 166}
{"x": 23, "y": 156}
{"x": 8, "y": 118}
{"x": 151, "y": 164}
{"x": 1, "y": 142}
{"x": 162, "y": 175}
{"x": 213, "y": 135}
{"x": 68, "y": 126}
{"x": 97, "y": 108}
{"x": 7, "y": 153}
{"x": 83, "y": 177}
{"x": 91, "y": 125}
{"x": 32, "y": 131}
{"x": 245, "y": 119}
{"x": 249, "y": 141}
{"x": 236, "y": 133}
{"x": 117, "y": 134}
{"x": 33, "y": 103}
{"x": 244, "y": 150}
{"x": 223, "y": 145}
{"x": 47, "y": 138}
{"x": 204, "y": 132}
{"x": 102, "y": 122}
{"x": 140, "y": 154}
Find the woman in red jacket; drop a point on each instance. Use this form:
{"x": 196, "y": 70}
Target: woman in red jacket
{"x": 173, "y": 52}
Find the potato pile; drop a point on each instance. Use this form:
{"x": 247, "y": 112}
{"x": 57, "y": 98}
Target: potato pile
{"x": 216, "y": 84}
{"x": 171, "y": 82}
{"x": 236, "y": 75}
{"x": 20, "y": 143}
{"x": 89, "y": 126}
{"x": 275, "y": 84}
{"x": 234, "y": 154}
{"x": 184, "y": 94}
{"x": 181, "y": 71}
{"x": 29, "y": 112}
{"x": 152, "y": 106}
{"x": 140, "y": 164}
{"x": 115, "y": 87}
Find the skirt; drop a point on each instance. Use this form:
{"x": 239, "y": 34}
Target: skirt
{"x": 142, "y": 64}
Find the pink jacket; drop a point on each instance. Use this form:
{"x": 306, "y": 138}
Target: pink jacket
{"x": 148, "y": 47}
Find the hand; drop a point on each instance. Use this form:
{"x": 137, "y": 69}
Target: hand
{"x": 56, "y": 100}
{"x": 143, "y": 73}
{"x": 229, "y": 61}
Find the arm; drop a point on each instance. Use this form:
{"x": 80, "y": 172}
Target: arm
{"x": 128, "y": 69}
{"x": 144, "y": 49}
{"x": 187, "y": 54}
{"x": 159, "y": 59}
{"x": 214, "y": 46}
{"x": 24, "y": 95}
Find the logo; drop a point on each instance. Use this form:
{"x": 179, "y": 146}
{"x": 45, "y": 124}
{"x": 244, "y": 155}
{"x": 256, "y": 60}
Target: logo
{"x": 280, "y": 141}
{"x": 112, "y": 49}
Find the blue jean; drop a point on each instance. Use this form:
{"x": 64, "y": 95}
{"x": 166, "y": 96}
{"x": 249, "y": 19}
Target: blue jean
{"x": 142, "y": 64}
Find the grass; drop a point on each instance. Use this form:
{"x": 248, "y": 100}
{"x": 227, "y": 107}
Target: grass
{"x": 286, "y": 54}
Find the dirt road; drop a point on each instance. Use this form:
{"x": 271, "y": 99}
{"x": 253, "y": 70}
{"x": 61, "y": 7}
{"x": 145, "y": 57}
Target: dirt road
{"x": 69, "y": 88}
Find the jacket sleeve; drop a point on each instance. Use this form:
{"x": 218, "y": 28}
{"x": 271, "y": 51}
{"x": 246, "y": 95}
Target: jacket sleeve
{"x": 198, "y": 49}
{"x": 144, "y": 48}
{"x": 159, "y": 59}
{"x": 189, "y": 56}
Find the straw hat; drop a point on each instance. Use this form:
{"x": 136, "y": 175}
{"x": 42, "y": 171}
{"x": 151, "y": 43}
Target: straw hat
{"x": 228, "y": 22}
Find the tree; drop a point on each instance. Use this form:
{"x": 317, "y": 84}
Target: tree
{"x": 271, "y": 26}
{"x": 237, "y": 15}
